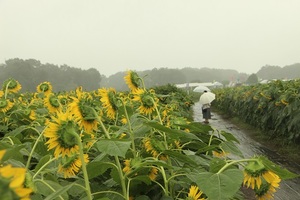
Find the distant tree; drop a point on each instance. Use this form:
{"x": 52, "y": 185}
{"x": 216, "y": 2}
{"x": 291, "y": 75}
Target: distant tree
{"x": 252, "y": 79}
{"x": 30, "y": 73}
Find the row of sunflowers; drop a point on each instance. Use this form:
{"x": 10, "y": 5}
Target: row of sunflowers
{"x": 106, "y": 144}
{"x": 272, "y": 107}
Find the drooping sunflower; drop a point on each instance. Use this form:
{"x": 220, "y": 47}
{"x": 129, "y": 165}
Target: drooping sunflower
{"x": 60, "y": 133}
{"x": 70, "y": 166}
{"x": 11, "y": 85}
{"x": 132, "y": 80}
{"x": 52, "y": 102}
{"x": 153, "y": 173}
{"x": 127, "y": 167}
{"x": 44, "y": 87}
{"x": 266, "y": 192}
{"x": 255, "y": 174}
{"x": 1, "y": 93}
{"x": 82, "y": 109}
{"x": 194, "y": 193}
{"x": 147, "y": 99}
{"x": 151, "y": 148}
{"x": 109, "y": 101}
{"x": 12, "y": 182}
{"x": 5, "y": 105}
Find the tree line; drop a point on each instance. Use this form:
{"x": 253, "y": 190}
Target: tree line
{"x": 30, "y": 73}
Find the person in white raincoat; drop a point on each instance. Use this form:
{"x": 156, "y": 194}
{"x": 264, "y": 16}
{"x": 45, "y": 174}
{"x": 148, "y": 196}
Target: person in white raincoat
{"x": 205, "y": 99}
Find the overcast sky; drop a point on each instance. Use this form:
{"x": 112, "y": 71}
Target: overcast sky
{"x": 117, "y": 35}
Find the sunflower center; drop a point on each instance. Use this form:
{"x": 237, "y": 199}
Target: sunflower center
{"x": 54, "y": 101}
{"x": 112, "y": 100}
{"x": 44, "y": 87}
{"x": 12, "y": 84}
{"x": 147, "y": 101}
{"x": 68, "y": 138}
{"x": 135, "y": 79}
{"x": 87, "y": 113}
{"x": 3, "y": 103}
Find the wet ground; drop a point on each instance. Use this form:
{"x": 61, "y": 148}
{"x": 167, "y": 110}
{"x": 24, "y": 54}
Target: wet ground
{"x": 289, "y": 189}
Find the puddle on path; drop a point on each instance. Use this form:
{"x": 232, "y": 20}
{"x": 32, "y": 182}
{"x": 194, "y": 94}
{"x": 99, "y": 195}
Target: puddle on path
{"x": 289, "y": 189}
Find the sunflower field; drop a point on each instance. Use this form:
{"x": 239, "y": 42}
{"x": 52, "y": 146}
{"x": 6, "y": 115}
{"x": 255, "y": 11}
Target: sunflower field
{"x": 104, "y": 144}
{"x": 272, "y": 107}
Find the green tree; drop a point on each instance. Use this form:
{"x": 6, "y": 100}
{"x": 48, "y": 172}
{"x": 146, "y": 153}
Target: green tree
{"x": 252, "y": 79}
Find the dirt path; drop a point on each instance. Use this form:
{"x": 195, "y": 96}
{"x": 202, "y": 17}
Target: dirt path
{"x": 289, "y": 189}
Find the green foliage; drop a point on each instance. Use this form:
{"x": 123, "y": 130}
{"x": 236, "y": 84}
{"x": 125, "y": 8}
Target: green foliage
{"x": 272, "y": 107}
{"x": 252, "y": 79}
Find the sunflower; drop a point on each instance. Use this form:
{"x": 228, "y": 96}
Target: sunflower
{"x": 12, "y": 181}
{"x": 109, "y": 101}
{"x": 69, "y": 166}
{"x": 147, "y": 99}
{"x": 194, "y": 193}
{"x": 255, "y": 174}
{"x": 127, "y": 168}
{"x": 150, "y": 147}
{"x": 60, "y": 134}
{"x": 266, "y": 192}
{"x": 153, "y": 173}
{"x": 5, "y": 105}
{"x": 44, "y": 87}
{"x": 11, "y": 85}
{"x": 52, "y": 103}
{"x": 1, "y": 93}
{"x": 132, "y": 80}
{"x": 81, "y": 108}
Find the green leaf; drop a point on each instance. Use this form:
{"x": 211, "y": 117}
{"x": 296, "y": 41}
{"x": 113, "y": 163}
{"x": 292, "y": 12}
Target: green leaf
{"x": 174, "y": 134}
{"x": 59, "y": 192}
{"x": 229, "y": 137}
{"x": 143, "y": 178}
{"x": 181, "y": 157}
{"x": 47, "y": 187}
{"x": 282, "y": 173}
{"x": 42, "y": 161}
{"x": 143, "y": 197}
{"x": 97, "y": 168}
{"x": 220, "y": 186}
{"x": 230, "y": 147}
{"x": 216, "y": 164}
{"x": 114, "y": 147}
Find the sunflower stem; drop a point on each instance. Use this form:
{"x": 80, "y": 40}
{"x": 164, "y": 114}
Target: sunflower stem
{"x": 6, "y": 89}
{"x": 84, "y": 170}
{"x": 163, "y": 172}
{"x": 130, "y": 130}
{"x": 45, "y": 165}
{"x": 233, "y": 162}
{"x": 121, "y": 175}
{"x": 34, "y": 146}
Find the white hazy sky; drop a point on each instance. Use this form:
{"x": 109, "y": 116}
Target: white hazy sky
{"x": 117, "y": 35}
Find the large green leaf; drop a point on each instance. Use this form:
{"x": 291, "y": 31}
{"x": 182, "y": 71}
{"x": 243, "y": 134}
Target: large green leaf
{"x": 113, "y": 147}
{"x": 59, "y": 192}
{"x": 97, "y": 168}
{"x": 47, "y": 187}
{"x": 282, "y": 173}
{"x": 220, "y": 186}
{"x": 230, "y": 147}
{"x": 172, "y": 133}
{"x": 42, "y": 161}
{"x": 229, "y": 137}
{"x": 180, "y": 157}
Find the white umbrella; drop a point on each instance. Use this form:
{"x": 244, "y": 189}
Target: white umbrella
{"x": 201, "y": 88}
{"x": 207, "y": 97}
